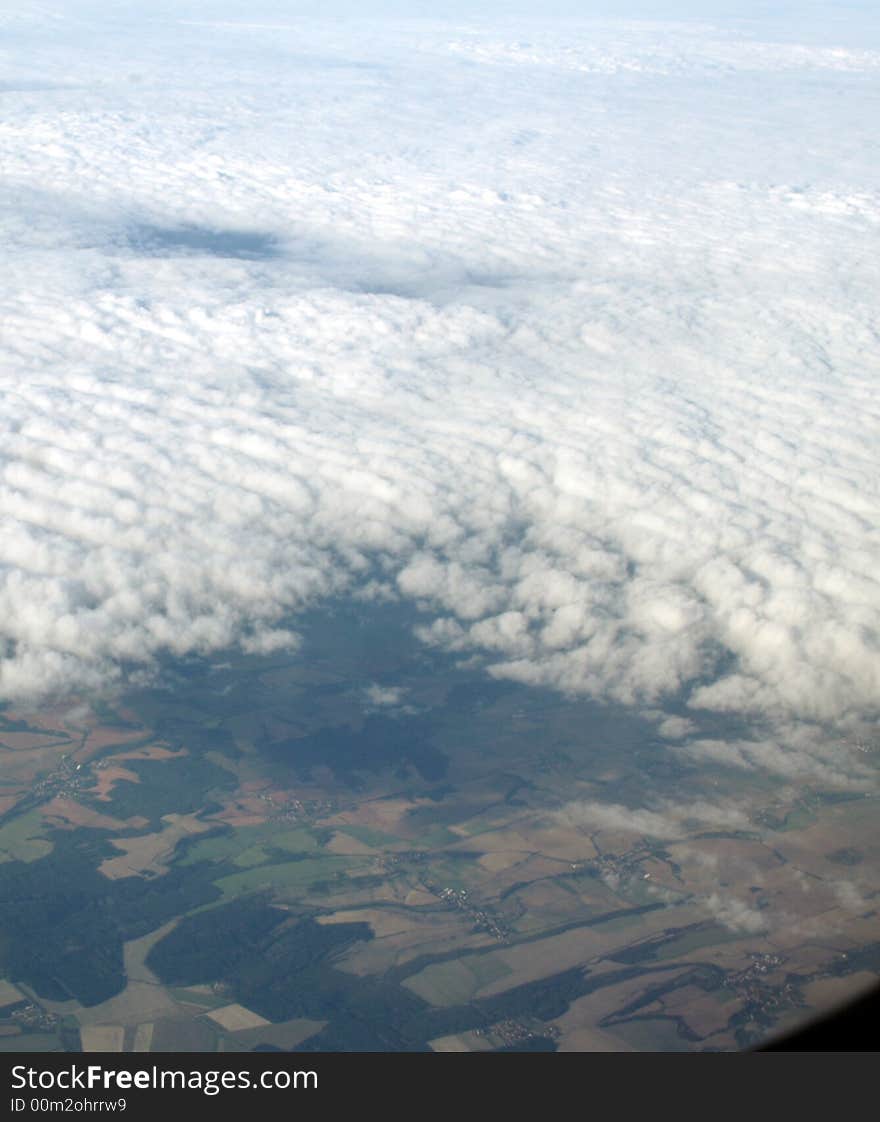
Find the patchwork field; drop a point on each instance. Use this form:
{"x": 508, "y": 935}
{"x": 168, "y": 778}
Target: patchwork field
{"x": 301, "y": 873}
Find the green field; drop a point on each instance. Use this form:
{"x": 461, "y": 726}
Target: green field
{"x": 246, "y": 840}
{"x": 291, "y": 878}
{"x": 21, "y": 839}
{"x": 369, "y": 836}
{"x": 31, "y": 1042}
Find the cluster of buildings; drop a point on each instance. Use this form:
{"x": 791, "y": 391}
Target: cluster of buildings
{"x": 615, "y": 868}
{"x": 295, "y": 810}
{"x": 513, "y": 1031}
{"x": 482, "y": 918}
{"x": 68, "y": 778}
{"x": 764, "y": 999}
{"x": 31, "y": 1018}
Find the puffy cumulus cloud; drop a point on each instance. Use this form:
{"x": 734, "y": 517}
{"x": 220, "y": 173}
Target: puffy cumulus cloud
{"x": 736, "y": 914}
{"x": 582, "y": 367}
{"x": 675, "y": 728}
{"x": 796, "y": 754}
{"x": 848, "y": 896}
{"x": 667, "y": 821}
{"x": 595, "y": 816}
{"x": 268, "y": 640}
{"x": 383, "y": 696}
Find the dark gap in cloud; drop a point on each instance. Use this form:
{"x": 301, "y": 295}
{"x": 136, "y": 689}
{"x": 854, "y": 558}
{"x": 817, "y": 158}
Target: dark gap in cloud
{"x": 172, "y": 241}
{"x": 446, "y": 711}
{"x": 436, "y": 286}
{"x": 311, "y": 258}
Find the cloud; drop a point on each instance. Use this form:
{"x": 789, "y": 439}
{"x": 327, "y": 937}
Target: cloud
{"x": 736, "y": 914}
{"x": 675, "y": 728}
{"x": 381, "y": 696}
{"x": 797, "y": 755}
{"x": 269, "y": 640}
{"x": 848, "y": 896}
{"x": 667, "y": 821}
{"x": 581, "y": 368}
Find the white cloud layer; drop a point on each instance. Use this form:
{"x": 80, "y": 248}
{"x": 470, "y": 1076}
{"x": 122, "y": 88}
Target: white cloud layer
{"x": 569, "y": 337}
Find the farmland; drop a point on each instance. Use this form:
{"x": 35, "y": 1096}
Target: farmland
{"x": 253, "y": 856}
